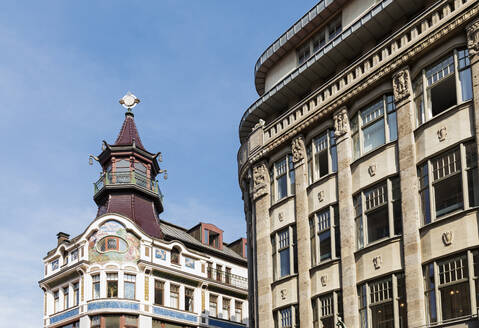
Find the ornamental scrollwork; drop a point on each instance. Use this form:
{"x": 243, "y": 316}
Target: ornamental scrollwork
{"x": 259, "y": 181}
{"x": 298, "y": 149}
{"x": 473, "y": 38}
{"x": 341, "y": 123}
{"x": 401, "y": 85}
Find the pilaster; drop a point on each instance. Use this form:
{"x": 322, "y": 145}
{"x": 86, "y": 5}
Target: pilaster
{"x": 409, "y": 196}
{"x": 346, "y": 218}
{"x": 302, "y": 228}
{"x": 261, "y": 204}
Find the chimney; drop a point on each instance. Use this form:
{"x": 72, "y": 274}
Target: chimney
{"x": 61, "y": 237}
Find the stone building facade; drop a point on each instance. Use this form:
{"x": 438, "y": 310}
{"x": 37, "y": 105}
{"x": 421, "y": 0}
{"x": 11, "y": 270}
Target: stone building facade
{"x": 358, "y": 167}
{"x": 131, "y": 269}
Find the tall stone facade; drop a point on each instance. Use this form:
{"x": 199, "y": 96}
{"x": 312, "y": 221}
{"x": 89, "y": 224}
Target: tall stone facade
{"x": 365, "y": 134}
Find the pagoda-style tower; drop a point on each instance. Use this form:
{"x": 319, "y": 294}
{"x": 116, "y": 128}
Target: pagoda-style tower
{"x": 128, "y": 184}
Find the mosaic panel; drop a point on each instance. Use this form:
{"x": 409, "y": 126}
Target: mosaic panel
{"x": 175, "y": 314}
{"x": 64, "y": 316}
{"x": 113, "y": 305}
{"x": 189, "y": 262}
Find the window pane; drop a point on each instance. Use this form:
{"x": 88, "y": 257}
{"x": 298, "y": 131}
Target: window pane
{"x": 325, "y": 245}
{"x": 382, "y": 315}
{"x": 112, "y": 288}
{"x": 112, "y": 321}
{"x": 374, "y": 136}
{"x": 442, "y": 95}
{"x": 282, "y": 187}
{"x": 378, "y": 224}
{"x": 392, "y": 124}
{"x": 129, "y": 290}
{"x": 448, "y": 195}
{"x": 356, "y": 148}
{"x": 440, "y": 70}
{"x": 455, "y": 301}
{"x": 284, "y": 262}
{"x": 466, "y": 84}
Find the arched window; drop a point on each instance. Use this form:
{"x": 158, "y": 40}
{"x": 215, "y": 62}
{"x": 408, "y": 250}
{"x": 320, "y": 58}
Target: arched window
{"x": 112, "y": 243}
{"x": 175, "y": 255}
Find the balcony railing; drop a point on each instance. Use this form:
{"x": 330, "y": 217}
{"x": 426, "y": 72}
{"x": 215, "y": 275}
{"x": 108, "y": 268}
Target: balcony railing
{"x": 123, "y": 178}
{"x": 227, "y": 278}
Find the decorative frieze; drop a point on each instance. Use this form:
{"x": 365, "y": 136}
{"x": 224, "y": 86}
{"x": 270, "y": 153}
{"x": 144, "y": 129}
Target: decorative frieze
{"x": 298, "y": 149}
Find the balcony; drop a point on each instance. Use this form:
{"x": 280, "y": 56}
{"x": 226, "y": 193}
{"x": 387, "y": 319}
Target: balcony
{"x": 227, "y": 278}
{"x": 131, "y": 178}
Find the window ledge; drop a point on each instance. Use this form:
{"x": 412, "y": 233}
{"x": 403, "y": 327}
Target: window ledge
{"x": 321, "y": 180}
{"x": 324, "y": 265}
{"x": 448, "y": 112}
{"x": 452, "y": 321}
{"x": 377, "y": 244}
{"x": 283, "y": 279}
{"x": 458, "y": 214}
{"x": 280, "y": 202}
{"x": 373, "y": 152}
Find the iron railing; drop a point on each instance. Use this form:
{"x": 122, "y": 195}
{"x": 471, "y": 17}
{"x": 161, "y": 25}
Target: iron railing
{"x": 131, "y": 177}
{"x": 227, "y": 278}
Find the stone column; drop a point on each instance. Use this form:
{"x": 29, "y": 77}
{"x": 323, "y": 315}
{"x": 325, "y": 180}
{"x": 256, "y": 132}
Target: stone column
{"x": 409, "y": 199}
{"x": 346, "y": 219}
{"x": 302, "y": 232}
{"x": 473, "y": 45}
{"x": 251, "y": 250}
{"x": 261, "y": 204}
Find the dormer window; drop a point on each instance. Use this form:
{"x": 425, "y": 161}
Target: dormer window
{"x": 214, "y": 239}
{"x": 112, "y": 243}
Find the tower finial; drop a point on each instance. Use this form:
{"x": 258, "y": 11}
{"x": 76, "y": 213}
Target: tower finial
{"x": 129, "y": 101}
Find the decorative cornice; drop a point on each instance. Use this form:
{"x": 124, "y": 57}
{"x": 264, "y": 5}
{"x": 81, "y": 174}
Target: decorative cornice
{"x": 363, "y": 85}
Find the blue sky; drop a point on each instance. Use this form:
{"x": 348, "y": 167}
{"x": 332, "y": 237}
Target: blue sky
{"x": 64, "y": 66}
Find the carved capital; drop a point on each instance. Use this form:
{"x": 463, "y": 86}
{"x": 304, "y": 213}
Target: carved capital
{"x": 298, "y": 149}
{"x": 473, "y": 38}
{"x": 341, "y": 122}
{"x": 401, "y": 86}
{"x": 260, "y": 184}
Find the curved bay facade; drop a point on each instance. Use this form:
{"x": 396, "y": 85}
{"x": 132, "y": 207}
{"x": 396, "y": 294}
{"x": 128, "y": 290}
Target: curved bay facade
{"x": 358, "y": 167}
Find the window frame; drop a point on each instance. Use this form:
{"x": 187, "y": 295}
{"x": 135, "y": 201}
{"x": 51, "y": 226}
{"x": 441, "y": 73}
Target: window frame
{"x": 358, "y": 126}
{"x": 76, "y": 293}
{"x": 175, "y": 290}
{"x": 95, "y": 281}
{"x": 211, "y": 298}
{"x": 238, "y": 309}
{"x": 362, "y": 211}
{"x": 189, "y": 293}
{"x": 159, "y": 285}
{"x": 278, "y": 248}
{"x": 111, "y": 277}
{"x": 312, "y": 153}
{"x": 421, "y": 87}
{"x": 288, "y": 174}
{"x": 128, "y": 280}
{"x": 226, "y": 302}
{"x": 315, "y": 224}
{"x": 66, "y": 298}
{"x": 286, "y": 317}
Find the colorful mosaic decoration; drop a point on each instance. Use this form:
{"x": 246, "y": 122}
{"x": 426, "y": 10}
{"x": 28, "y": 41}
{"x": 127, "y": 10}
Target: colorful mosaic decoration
{"x": 55, "y": 265}
{"x": 64, "y": 316}
{"x": 175, "y": 314}
{"x": 160, "y": 254}
{"x": 189, "y": 262}
{"x": 113, "y": 305}
{"x": 114, "y": 228}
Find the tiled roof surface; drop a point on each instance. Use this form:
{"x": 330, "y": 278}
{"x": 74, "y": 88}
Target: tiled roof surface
{"x": 129, "y": 132}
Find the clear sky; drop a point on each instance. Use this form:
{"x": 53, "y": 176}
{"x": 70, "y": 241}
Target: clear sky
{"x": 63, "y": 67}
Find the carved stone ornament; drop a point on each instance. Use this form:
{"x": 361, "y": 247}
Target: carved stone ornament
{"x": 377, "y": 262}
{"x": 447, "y": 238}
{"x": 372, "y": 170}
{"x": 297, "y": 148}
{"x": 321, "y": 196}
{"x": 259, "y": 124}
{"x": 473, "y": 38}
{"x": 442, "y": 133}
{"x": 284, "y": 293}
{"x": 401, "y": 84}
{"x": 324, "y": 280}
{"x": 280, "y": 216}
{"x": 341, "y": 123}
{"x": 259, "y": 180}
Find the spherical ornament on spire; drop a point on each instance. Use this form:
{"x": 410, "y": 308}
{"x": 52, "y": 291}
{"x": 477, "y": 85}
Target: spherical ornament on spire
{"x": 129, "y": 101}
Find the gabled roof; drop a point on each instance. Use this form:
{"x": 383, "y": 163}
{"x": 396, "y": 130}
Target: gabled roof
{"x": 128, "y": 133}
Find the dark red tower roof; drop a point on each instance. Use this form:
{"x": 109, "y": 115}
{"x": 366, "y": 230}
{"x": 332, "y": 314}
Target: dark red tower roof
{"x": 128, "y": 184}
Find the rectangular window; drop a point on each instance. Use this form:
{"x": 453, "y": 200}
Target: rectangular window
{"x": 333, "y": 151}
{"x": 430, "y": 293}
{"x": 312, "y": 239}
{"x": 159, "y": 292}
{"x": 129, "y": 284}
{"x": 76, "y": 294}
{"x": 324, "y": 235}
{"x": 373, "y": 126}
{"x": 131, "y": 321}
{"x": 238, "y": 311}
{"x": 381, "y": 296}
{"x": 74, "y": 255}
{"x": 355, "y": 137}
{"x": 66, "y": 298}
{"x": 281, "y": 179}
{"x": 363, "y": 311}
{"x": 213, "y": 306}
{"x": 175, "y": 296}
{"x": 292, "y": 176}
{"x": 392, "y": 119}
{"x": 327, "y": 310}
{"x": 286, "y": 318}
{"x": 112, "y": 285}
{"x": 226, "y": 308}
{"x": 465, "y": 76}
{"x": 441, "y": 86}
{"x": 274, "y": 247}
{"x": 423, "y": 176}
{"x": 358, "y": 212}
{"x": 303, "y": 52}
{"x": 189, "y": 299}
{"x": 95, "y": 286}
{"x": 321, "y": 155}
{"x": 396, "y": 203}
{"x": 284, "y": 253}
{"x": 472, "y": 173}
{"x": 228, "y": 276}
{"x": 377, "y": 213}
{"x": 95, "y": 321}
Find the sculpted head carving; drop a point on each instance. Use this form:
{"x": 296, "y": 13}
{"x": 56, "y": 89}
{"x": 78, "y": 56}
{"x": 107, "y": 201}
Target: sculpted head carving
{"x": 259, "y": 180}
{"x": 298, "y": 149}
{"x": 341, "y": 123}
{"x": 401, "y": 84}
{"x": 473, "y": 38}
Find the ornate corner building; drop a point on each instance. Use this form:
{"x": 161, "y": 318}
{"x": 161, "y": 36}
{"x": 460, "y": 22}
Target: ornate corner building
{"x": 130, "y": 269}
{"x": 358, "y": 167}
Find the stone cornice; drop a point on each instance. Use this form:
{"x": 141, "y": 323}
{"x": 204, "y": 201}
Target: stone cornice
{"x": 399, "y": 60}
